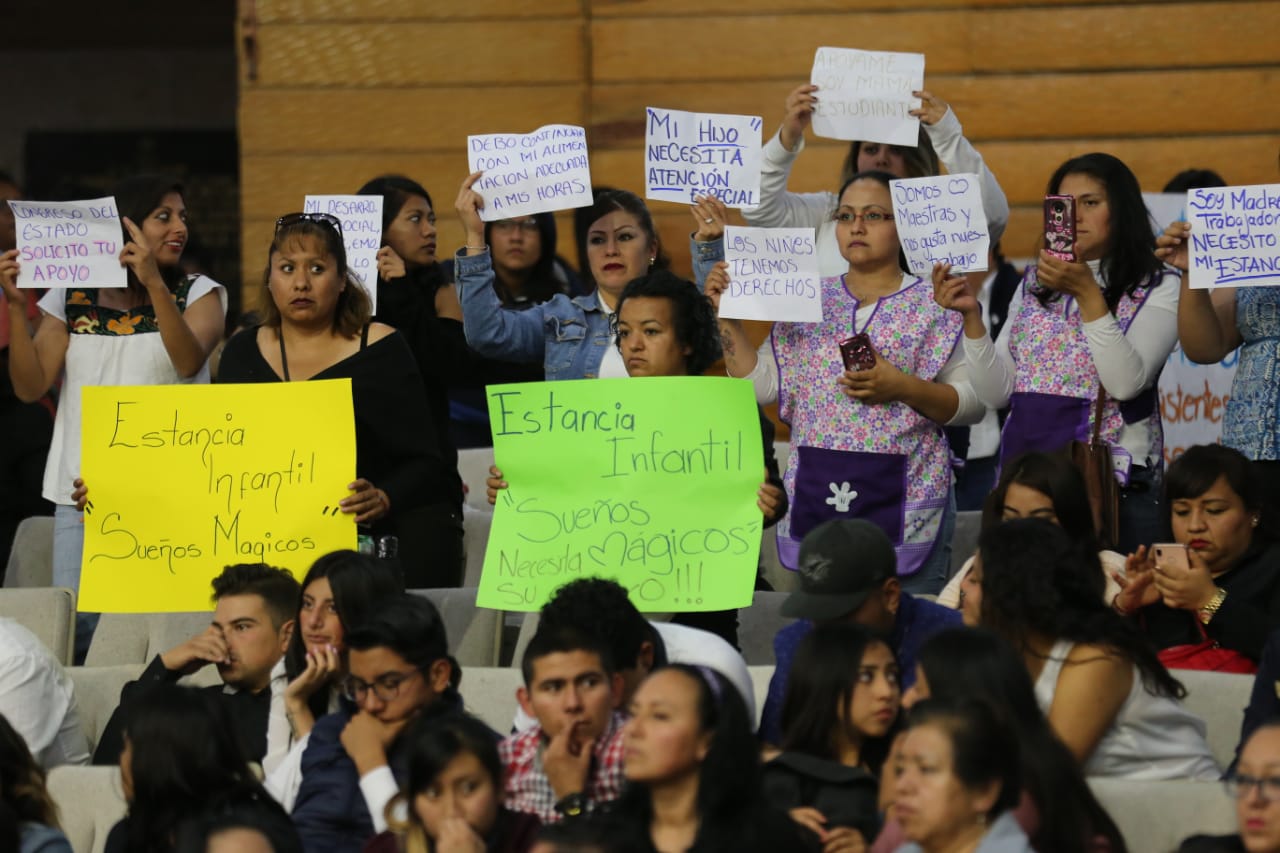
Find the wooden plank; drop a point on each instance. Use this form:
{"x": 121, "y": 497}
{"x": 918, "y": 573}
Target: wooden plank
{"x": 1102, "y": 104}
{"x": 679, "y": 8}
{"x": 417, "y": 119}
{"x": 955, "y": 41}
{"x": 316, "y": 11}
{"x": 420, "y": 54}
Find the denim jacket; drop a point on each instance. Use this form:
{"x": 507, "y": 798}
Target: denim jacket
{"x": 704, "y": 257}
{"x": 572, "y": 335}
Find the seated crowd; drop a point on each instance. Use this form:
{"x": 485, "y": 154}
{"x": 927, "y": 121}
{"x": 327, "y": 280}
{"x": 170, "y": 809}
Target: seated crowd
{"x": 908, "y": 709}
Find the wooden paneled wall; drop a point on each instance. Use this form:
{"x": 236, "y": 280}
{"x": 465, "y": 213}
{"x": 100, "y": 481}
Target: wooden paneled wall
{"x": 345, "y": 91}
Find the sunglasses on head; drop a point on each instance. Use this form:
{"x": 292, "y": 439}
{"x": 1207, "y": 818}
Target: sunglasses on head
{"x": 318, "y": 218}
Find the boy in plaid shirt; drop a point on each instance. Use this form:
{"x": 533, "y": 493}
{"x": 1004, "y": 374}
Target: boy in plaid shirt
{"x": 571, "y": 761}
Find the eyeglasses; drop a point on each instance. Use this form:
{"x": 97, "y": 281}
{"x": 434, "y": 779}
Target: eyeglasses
{"x": 868, "y": 217}
{"x": 1239, "y": 786}
{"x": 385, "y": 687}
{"x": 318, "y": 218}
{"x": 528, "y": 226}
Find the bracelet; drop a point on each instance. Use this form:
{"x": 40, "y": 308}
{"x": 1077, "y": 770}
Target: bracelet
{"x": 482, "y": 248}
{"x": 1210, "y": 610}
{"x": 1115, "y": 605}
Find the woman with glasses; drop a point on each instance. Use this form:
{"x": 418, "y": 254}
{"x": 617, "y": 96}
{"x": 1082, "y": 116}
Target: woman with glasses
{"x": 157, "y": 330}
{"x": 398, "y": 670}
{"x": 1255, "y": 784}
{"x": 866, "y": 391}
{"x": 1098, "y": 327}
{"x": 316, "y": 325}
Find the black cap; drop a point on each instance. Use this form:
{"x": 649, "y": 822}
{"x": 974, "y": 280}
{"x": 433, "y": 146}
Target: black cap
{"x": 841, "y": 563}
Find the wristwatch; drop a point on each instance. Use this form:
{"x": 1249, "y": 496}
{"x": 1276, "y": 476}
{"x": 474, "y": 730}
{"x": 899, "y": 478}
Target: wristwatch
{"x": 1210, "y": 610}
{"x": 571, "y": 805}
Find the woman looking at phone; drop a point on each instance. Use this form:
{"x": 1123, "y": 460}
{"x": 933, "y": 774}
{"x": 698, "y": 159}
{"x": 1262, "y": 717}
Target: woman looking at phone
{"x": 865, "y": 391}
{"x": 1223, "y": 575}
{"x": 1102, "y": 323}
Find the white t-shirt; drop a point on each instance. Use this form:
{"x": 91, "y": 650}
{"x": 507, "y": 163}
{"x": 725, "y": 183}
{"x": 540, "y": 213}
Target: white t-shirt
{"x": 106, "y": 359}
{"x": 37, "y": 697}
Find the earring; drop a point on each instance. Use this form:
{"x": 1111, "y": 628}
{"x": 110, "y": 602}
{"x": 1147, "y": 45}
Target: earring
{"x": 651, "y": 260}
{"x": 1254, "y": 521}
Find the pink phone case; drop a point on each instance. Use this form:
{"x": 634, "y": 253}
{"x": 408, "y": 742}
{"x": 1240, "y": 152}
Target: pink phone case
{"x": 1169, "y": 555}
{"x": 1060, "y": 226}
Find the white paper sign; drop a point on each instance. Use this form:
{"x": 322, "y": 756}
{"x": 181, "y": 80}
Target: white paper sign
{"x": 528, "y": 173}
{"x": 941, "y": 219}
{"x": 1235, "y": 236}
{"x": 1193, "y": 399}
{"x": 866, "y": 95}
{"x": 68, "y": 243}
{"x": 773, "y": 275}
{"x": 692, "y": 154}
{"x": 361, "y": 218}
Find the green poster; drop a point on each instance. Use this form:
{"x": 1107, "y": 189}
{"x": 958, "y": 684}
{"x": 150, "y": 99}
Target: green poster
{"x": 650, "y": 481}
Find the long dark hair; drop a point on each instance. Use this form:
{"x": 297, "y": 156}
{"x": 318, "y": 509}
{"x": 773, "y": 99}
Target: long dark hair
{"x": 981, "y": 751}
{"x": 607, "y": 200}
{"x": 730, "y": 777}
{"x": 972, "y": 663}
{"x": 136, "y": 197}
{"x": 358, "y": 582}
{"x": 822, "y": 681}
{"x": 185, "y": 758}
{"x": 1052, "y": 475}
{"x": 22, "y": 780}
{"x": 1130, "y": 263}
{"x": 1036, "y": 579}
{"x": 541, "y": 283}
{"x": 692, "y": 318}
{"x": 395, "y": 191}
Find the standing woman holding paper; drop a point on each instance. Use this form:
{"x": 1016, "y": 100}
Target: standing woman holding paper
{"x": 942, "y": 144}
{"x": 574, "y": 337}
{"x": 157, "y": 330}
{"x": 1211, "y": 323}
{"x": 1099, "y": 327}
{"x": 415, "y": 298}
{"x": 867, "y": 425}
{"x": 316, "y": 325}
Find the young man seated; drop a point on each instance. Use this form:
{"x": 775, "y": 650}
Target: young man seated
{"x": 398, "y": 669}
{"x": 602, "y": 608}
{"x": 254, "y": 607}
{"x": 570, "y": 762}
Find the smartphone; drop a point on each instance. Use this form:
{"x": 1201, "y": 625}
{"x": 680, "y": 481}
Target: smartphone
{"x": 858, "y": 353}
{"x": 1169, "y": 555}
{"x": 1060, "y": 226}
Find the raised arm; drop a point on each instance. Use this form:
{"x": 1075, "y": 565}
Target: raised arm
{"x": 490, "y": 329}
{"x": 989, "y": 364}
{"x": 1206, "y": 318}
{"x": 189, "y": 336}
{"x": 35, "y": 360}
{"x": 957, "y": 154}
{"x": 779, "y": 208}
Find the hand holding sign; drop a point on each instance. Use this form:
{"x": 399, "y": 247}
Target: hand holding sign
{"x": 710, "y": 216}
{"x": 954, "y": 292}
{"x": 800, "y": 104}
{"x": 9, "y": 272}
{"x": 931, "y": 109}
{"x": 1171, "y": 246}
{"x": 469, "y": 204}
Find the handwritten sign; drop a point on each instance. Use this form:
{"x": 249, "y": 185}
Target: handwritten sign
{"x": 773, "y": 275}
{"x": 866, "y": 95}
{"x": 651, "y": 482}
{"x": 68, "y": 243}
{"x": 361, "y": 218}
{"x": 1193, "y": 400}
{"x": 1235, "y": 236}
{"x": 941, "y": 219}
{"x": 185, "y": 480}
{"x": 532, "y": 172}
{"x": 693, "y": 154}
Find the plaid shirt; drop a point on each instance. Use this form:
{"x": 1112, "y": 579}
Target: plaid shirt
{"x": 527, "y": 787}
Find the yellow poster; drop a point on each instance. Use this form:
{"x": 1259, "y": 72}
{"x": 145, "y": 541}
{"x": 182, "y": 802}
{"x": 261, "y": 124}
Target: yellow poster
{"x": 185, "y": 480}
